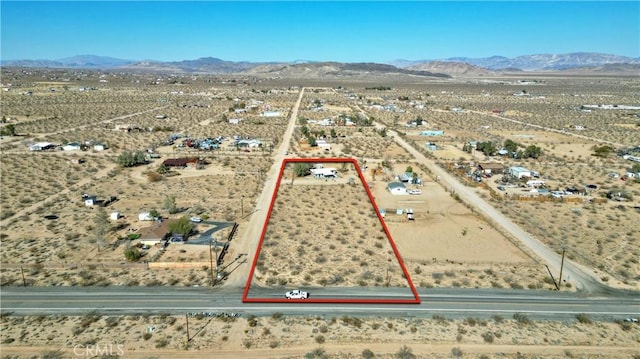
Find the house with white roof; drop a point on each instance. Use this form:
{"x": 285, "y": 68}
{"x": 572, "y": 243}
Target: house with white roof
{"x": 397, "y": 188}
{"x": 519, "y": 172}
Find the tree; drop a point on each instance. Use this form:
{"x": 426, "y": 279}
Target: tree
{"x": 305, "y": 130}
{"x": 488, "y": 148}
{"x": 312, "y": 141}
{"x": 333, "y": 133}
{"x": 602, "y": 151}
{"x": 102, "y": 226}
{"x": 511, "y": 146}
{"x": 8, "y": 130}
{"x": 409, "y": 169}
{"x": 170, "y": 205}
{"x": 130, "y": 159}
{"x": 132, "y": 253}
{"x": 532, "y": 151}
{"x": 181, "y": 226}
{"x": 154, "y": 213}
{"x": 302, "y": 169}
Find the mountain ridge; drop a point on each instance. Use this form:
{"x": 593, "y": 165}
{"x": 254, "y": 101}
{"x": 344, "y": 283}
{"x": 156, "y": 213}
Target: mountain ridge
{"x": 536, "y": 62}
{"x": 459, "y": 66}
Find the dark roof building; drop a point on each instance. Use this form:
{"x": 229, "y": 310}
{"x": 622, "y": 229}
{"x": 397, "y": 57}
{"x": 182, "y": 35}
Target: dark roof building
{"x": 181, "y": 162}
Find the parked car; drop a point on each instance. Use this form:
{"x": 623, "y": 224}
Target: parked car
{"x": 414, "y": 191}
{"x": 631, "y": 319}
{"x": 501, "y": 188}
{"x": 196, "y": 219}
{"x": 296, "y": 294}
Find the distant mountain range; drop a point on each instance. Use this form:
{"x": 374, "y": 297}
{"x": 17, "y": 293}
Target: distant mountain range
{"x": 536, "y": 62}
{"x": 456, "y": 66}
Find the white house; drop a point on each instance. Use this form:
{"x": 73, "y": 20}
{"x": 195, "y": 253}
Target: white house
{"x": 90, "y": 201}
{"x": 397, "y": 188}
{"x": 71, "y": 146}
{"x": 41, "y": 146}
{"x": 100, "y": 147}
{"x": 519, "y": 172}
{"x": 249, "y": 143}
{"x": 145, "y": 216}
{"x": 324, "y": 172}
{"x": 270, "y": 113}
{"x": 323, "y": 144}
{"x": 114, "y": 216}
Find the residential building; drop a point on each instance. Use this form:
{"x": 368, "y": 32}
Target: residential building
{"x": 397, "y": 188}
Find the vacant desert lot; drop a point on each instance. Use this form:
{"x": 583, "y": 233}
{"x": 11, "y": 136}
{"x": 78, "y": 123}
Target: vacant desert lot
{"x": 325, "y": 231}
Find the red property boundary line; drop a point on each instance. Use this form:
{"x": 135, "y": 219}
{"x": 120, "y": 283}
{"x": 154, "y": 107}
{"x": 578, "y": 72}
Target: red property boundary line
{"x": 245, "y": 299}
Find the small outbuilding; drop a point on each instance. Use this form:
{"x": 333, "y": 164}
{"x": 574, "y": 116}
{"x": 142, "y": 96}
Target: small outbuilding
{"x": 492, "y": 168}
{"x": 397, "y": 188}
{"x": 90, "y": 201}
{"x": 100, "y": 147}
{"x": 72, "y": 146}
{"x": 181, "y": 162}
{"x": 145, "y": 216}
{"x": 432, "y": 133}
{"x": 42, "y": 146}
{"x": 519, "y": 172}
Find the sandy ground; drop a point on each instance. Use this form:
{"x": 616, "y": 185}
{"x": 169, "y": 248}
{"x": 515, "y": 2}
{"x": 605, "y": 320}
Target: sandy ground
{"x": 289, "y": 337}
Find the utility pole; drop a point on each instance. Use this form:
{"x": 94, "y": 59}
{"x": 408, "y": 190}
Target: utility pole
{"x": 211, "y": 260}
{"x": 554, "y": 280}
{"x": 24, "y": 281}
{"x": 561, "y": 266}
{"x": 242, "y": 206}
{"x": 187, "y": 316}
{"x": 216, "y": 277}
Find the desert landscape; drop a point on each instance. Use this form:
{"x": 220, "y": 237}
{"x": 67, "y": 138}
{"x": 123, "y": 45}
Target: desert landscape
{"x": 52, "y": 237}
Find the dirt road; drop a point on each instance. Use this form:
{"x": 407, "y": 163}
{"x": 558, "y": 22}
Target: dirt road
{"x": 250, "y": 231}
{"x": 580, "y": 276}
{"x": 339, "y": 350}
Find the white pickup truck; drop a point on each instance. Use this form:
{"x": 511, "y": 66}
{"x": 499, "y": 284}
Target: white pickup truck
{"x": 296, "y": 294}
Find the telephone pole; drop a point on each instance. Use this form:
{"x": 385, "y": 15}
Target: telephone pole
{"x": 211, "y": 261}
{"x": 561, "y": 266}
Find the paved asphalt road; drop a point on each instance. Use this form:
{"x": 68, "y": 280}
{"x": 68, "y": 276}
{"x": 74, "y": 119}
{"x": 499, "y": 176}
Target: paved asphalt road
{"x": 481, "y": 303}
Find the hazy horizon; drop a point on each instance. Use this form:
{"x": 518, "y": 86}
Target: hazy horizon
{"x": 339, "y": 31}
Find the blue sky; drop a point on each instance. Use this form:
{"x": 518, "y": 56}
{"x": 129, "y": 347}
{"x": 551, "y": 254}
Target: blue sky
{"x": 360, "y": 31}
